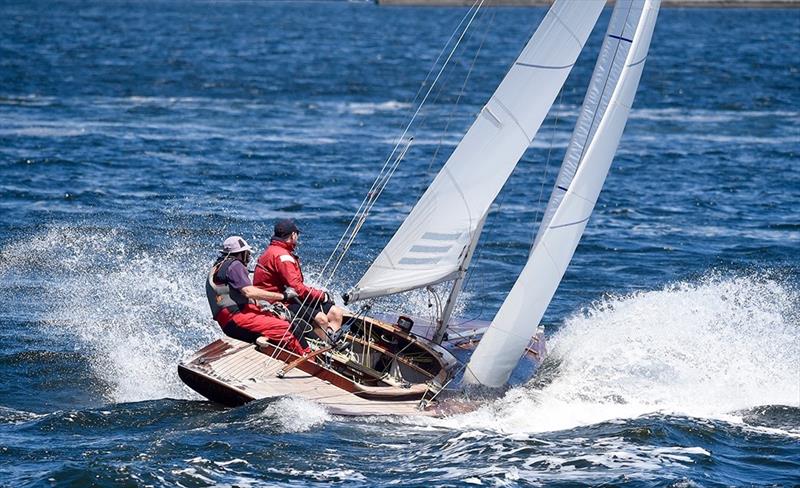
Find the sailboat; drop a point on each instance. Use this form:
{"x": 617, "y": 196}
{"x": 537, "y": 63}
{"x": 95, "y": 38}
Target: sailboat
{"x": 389, "y": 367}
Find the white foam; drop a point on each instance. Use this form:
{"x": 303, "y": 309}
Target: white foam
{"x": 702, "y": 349}
{"x": 13, "y": 416}
{"x": 367, "y": 108}
{"x": 135, "y": 314}
{"x": 291, "y": 414}
{"x": 330, "y": 475}
{"x": 707, "y": 116}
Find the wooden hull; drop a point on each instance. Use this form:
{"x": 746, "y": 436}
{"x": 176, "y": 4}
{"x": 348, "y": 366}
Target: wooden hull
{"x": 232, "y": 372}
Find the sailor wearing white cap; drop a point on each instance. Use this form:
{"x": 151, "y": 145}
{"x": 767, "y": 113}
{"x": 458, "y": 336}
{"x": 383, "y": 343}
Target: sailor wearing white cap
{"x": 231, "y": 296}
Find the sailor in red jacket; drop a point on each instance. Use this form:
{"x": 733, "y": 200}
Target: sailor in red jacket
{"x": 279, "y": 268}
{"x": 233, "y": 300}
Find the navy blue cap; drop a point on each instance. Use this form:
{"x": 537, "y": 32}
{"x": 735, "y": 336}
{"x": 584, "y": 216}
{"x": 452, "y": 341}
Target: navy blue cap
{"x": 285, "y": 227}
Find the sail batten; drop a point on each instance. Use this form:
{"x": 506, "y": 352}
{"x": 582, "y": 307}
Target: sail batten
{"x": 460, "y": 195}
{"x": 583, "y": 171}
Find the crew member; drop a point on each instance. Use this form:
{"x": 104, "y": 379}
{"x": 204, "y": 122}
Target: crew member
{"x": 231, "y": 296}
{"x": 279, "y": 268}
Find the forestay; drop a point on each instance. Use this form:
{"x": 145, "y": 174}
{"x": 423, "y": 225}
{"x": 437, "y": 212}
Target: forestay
{"x": 432, "y": 242}
{"x": 588, "y": 158}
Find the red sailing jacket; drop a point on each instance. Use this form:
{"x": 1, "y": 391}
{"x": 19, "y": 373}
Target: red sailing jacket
{"x": 278, "y": 268}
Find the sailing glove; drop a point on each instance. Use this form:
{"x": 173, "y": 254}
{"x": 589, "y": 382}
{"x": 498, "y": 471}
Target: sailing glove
{"x": 290, "y": 294}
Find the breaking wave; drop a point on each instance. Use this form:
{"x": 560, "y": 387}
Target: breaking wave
{"x": 135, "y": 313}
{"x": 710, "y": 349}
{"x": 369, "y": 108}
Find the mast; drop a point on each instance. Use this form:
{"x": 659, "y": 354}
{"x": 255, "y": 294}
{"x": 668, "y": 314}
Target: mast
{"x": 442, "y": 322}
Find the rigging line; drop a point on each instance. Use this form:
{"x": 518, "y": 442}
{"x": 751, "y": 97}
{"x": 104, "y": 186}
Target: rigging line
{"x": 275, "y": 351}
{"x": 441, "y": 52}
{"x": 399, "y": 141}
{"x": 546, "y": 168}
{"x": 363, "y": 219}
{"x": 422, "y": 103}
{"x": 295, "y": 322}
{"x": 356, "y": 224}
{"x": 442, "y": 84}
{"x": 463, "y": 88}
{"x": 455, "y": 374}
{"x": 382, "y": 184}
{"x": 436, "y": 313}
{"x": 486, "y": 30}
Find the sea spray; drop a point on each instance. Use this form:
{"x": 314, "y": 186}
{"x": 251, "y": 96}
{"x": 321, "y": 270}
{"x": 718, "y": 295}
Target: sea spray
{"x": 137, "y": 313}
{"x": 704, "y": 349}
{"x": 290, "y": 414}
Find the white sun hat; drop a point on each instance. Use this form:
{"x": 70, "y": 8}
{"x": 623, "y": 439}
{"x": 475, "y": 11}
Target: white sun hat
{"x": 234, "y": 244}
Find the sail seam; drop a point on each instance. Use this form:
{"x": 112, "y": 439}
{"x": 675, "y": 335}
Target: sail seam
{"x": 513, "y": 119}
{"x": 638, "y": 62}
{"x": 566, "y": 28}
{"x": 446, "y": 172}
{"x": 530, "y": 65}
{"x": 487, "y": 112}
{"x": 571, "y": 223}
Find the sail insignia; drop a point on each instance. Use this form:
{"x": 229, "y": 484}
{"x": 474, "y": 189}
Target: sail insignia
{"x": 431, "y": 248}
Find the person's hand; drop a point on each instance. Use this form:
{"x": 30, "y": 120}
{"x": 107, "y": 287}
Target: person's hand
{"x": 290, "y": 294}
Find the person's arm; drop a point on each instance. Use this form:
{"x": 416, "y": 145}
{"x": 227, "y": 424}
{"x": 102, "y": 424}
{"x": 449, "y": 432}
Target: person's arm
{"x": 240, "y": 280}
{"x": 256, "y": 293}
{"x": 288, "y": 268}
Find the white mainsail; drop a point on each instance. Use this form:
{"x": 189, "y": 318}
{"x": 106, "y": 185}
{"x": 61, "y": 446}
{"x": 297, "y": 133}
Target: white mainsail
{"x": 431, "y": 244}
{"x": 594, "y": 142}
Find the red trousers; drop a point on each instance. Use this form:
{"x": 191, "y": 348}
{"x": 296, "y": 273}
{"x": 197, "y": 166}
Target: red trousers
{"x": 253, "y": 320}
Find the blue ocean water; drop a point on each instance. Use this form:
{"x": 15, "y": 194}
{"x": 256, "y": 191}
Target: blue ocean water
{"x": 135, "y": 136}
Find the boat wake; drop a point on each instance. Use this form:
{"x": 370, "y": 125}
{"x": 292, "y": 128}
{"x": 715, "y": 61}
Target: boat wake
{"x": 717, "y": 348}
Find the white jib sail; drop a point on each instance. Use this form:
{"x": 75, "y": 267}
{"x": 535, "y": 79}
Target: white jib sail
{"x": 431, "y": 243}
{"x": 619, "y": 69}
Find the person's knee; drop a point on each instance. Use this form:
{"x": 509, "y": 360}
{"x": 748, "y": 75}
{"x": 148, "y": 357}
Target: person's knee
{"x": 321, "y": 319}
{"x": 335, "y": 314}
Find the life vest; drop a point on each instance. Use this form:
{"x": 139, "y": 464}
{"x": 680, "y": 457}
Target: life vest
{"x": 221, "y": 296}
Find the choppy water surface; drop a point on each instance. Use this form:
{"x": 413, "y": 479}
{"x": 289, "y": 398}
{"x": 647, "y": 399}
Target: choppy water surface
{"x": 135, "y": 136}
